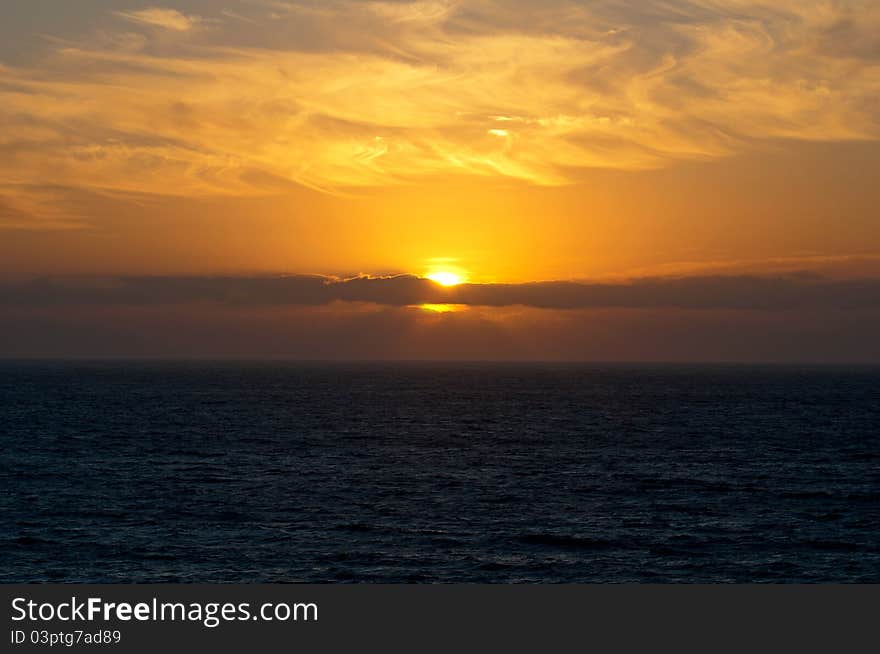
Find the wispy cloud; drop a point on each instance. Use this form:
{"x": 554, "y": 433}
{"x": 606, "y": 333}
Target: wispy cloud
{"x": 347, "y": 94}
{"x": 170, "y": 19}
{"x": 24, "y": 207}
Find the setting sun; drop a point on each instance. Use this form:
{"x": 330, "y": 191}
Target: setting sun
{"x": 446, "y": 278}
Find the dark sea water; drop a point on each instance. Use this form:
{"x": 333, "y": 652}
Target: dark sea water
{"x": 258, "y": 472}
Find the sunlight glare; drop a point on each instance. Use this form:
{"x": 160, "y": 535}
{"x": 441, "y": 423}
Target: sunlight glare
{"x": 440, "y": 308}
{"x": 446, "y": 278}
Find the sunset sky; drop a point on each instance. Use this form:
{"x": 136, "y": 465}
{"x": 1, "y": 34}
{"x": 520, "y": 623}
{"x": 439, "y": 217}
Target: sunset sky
{"x": 631, "y": 181}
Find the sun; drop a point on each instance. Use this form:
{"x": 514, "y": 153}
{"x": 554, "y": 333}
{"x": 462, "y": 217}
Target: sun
{"x": 446, "y": 278}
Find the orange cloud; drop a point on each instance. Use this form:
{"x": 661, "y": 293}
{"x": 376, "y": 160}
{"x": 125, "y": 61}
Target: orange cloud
{"x": 352, "y": 94}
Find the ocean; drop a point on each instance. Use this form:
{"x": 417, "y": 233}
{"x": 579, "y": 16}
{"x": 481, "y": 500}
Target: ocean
{"x": 438, "y": 472}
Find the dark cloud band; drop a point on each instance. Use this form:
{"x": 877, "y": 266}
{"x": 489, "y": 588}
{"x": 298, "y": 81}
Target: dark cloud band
{"x": 703, "y": 292}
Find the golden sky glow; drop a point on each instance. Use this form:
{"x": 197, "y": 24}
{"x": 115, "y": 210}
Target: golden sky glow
{"x": 480, "y": 141}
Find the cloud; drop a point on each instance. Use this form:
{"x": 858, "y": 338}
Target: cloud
{"x": 358, "y": 331}
{"x": 25, "y": 207}
{"x": 785, "y": 292}
{"x": 169, "y": 19}
{"x": 344, "y": 94}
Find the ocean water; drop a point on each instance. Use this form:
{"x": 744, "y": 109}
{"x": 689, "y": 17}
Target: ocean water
{"x": 274, "y": 472}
